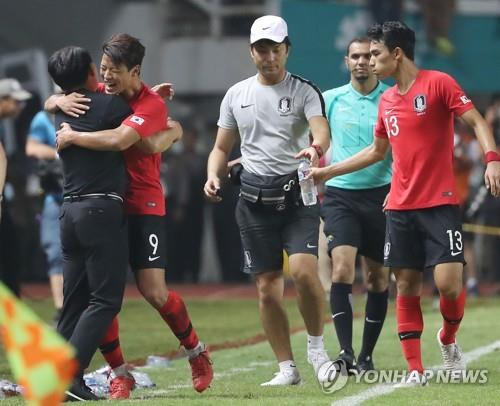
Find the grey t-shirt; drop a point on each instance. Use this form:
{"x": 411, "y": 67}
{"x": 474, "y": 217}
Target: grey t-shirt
{"x": 272, "y": 121}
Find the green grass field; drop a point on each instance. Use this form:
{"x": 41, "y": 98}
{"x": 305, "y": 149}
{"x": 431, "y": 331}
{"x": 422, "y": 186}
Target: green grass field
{"x": 239, "y": 371}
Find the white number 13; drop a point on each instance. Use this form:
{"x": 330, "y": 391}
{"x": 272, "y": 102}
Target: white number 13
{"x": 391, "y": 126}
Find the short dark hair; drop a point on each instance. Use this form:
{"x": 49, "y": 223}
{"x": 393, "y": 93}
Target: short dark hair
{"x": 362, "y": 39}
{"x": 69, "y": 67}
{"x": 394, "y": 34}
{"x": 124, "y": 49}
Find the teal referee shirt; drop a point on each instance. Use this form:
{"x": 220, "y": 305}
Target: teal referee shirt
{"x": 352, "y": 117}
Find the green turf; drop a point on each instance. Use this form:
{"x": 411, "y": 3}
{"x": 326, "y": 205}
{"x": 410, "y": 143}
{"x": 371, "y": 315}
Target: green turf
{"x": 240, "y": 371}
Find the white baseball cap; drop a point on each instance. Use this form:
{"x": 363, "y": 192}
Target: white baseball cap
{"x": 12, "y": 88}
{"x": 269, "y": 27}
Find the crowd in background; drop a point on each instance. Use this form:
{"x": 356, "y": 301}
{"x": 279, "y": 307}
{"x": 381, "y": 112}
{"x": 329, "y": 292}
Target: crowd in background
{"x": 197, "y": 230}
{"x": 201, "y": 234}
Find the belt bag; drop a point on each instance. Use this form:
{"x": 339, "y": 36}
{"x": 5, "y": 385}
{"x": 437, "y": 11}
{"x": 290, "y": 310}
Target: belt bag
{"x": 277, "y": 192}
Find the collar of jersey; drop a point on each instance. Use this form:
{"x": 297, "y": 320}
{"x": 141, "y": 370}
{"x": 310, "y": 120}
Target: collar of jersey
{"x": 372, "y": 95}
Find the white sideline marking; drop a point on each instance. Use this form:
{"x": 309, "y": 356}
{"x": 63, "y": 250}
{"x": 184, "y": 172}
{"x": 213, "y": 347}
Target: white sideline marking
{"x": 381, "y": 389}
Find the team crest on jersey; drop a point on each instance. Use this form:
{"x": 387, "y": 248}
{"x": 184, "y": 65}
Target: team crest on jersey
{"x": 420, "y": 104}
{"x": 137, "y": 120}
{"x": 285, "y": 105}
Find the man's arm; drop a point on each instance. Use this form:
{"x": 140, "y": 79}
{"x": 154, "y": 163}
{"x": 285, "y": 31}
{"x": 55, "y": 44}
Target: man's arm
{"x": 117, "y": 139}
{"x": 39, "y": 150}
{"x": 487, "y": 142}
{"x": 217, "y": 163}
{"x": 366, "y": 157}
{"x": 162, "y": 140}
{"x": 320, "y": 131}
{"x": 73, "y": 104}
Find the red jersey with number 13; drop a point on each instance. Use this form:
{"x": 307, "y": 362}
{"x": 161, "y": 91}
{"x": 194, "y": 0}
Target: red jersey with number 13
{"x": 144, "y": 193}
{"x": 419, "y": 125}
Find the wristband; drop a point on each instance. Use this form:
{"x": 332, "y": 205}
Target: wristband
{"x": 318, "y": 149}
{"x": 491, "y": 156}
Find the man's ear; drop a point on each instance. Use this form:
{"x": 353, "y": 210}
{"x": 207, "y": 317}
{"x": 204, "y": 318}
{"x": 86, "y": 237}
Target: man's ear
{"x": 398, "y": 53}
{"x": 136, "y": 71}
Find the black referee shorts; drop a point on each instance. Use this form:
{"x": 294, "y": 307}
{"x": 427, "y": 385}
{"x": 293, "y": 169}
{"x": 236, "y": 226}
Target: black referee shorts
{"x": 355, "y": 218}
{"x": 423, "y": 238}
{"x": 266, "y": 232}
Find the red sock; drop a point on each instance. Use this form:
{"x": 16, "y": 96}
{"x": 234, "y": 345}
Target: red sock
{"x": 110, "y": 346}
{"x": 452, "y": 311}
{"x": 410, "y": 327}
{"x": 174, "y": 312}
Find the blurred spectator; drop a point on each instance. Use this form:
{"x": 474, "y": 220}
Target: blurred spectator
{"x": 489, "y": 207}
{"x": 492, "y": 116}
{"x": 467, "y": 161}
{"x": 185, "y": 176}
{"x": 438, "y": 15}
{"x": 12, "y": 96}
{"x": 227, "y": 233}
{"x": 41, "y": 144}
{"x": 385, "y": 10}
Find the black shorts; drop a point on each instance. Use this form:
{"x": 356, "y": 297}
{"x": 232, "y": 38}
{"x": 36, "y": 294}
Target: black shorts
{"x": 423, "y": 238}
{"x": 266, "y": 232}
{"x": 355, "y": 218}
{"x": 147, "y": 241}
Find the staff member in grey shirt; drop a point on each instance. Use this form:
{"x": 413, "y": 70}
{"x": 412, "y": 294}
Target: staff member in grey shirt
{"x": 273, "y": 112}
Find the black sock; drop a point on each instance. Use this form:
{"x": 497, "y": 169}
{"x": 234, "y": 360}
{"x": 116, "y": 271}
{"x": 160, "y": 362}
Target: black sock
{"x": 375, "y": 311}
{"x": 341, "y": 306}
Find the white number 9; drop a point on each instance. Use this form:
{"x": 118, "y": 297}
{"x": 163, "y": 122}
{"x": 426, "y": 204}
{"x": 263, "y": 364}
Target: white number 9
{"x": 153, "y": 240}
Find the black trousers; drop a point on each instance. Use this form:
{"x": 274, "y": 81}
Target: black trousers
{"x": 95, "y": 257}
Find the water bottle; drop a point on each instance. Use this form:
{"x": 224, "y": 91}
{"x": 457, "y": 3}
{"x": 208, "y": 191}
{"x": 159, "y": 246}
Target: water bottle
{"x": 308, "y": 189}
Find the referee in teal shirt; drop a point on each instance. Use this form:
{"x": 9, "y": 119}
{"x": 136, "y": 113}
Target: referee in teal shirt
{"x": 352, "y": 208}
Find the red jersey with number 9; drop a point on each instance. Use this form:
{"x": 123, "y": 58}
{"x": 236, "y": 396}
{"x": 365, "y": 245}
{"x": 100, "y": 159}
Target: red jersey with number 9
{"x": 145, "y": 193}
{"x": 419, "y": 125}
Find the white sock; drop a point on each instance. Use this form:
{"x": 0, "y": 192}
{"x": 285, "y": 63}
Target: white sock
{"x": 121, "y": 370}
{"x": 194, "y": 352}
{"x": 315, "y": 342}
{"x": 287, "y": 365}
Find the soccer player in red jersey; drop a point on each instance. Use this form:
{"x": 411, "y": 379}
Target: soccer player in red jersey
{"x": 423, "y": 222}
{"x": 145, "y": 204}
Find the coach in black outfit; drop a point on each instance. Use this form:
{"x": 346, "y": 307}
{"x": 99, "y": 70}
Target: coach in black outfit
{"x": 93, "y": 226}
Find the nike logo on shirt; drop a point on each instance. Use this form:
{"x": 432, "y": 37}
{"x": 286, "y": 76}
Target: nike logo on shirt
{"x": 244, "y": 106}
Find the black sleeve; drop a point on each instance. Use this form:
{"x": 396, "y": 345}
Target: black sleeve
{"x": 118, "y": 110}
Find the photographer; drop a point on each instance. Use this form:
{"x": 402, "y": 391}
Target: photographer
{"x": 41, "y": 145}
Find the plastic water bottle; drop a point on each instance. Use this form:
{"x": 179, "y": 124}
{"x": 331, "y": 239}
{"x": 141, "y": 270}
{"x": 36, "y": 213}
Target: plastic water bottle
{"x": 308, "y": 189}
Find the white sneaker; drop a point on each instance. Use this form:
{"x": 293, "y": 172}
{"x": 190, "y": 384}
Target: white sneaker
{"x": 282, "y": 378}
{"x": 412, "y": 380}
{"x": 316, "y": 358}
{"x": 452, "y": 355}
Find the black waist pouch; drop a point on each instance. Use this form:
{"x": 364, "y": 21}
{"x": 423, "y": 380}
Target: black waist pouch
{"x": 271, "y": 192}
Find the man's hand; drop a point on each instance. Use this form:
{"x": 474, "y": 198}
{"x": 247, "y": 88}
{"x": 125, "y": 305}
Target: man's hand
{"x": 172, "y": 124}
{"x": 73, "y": 104}
{"x": 164, "y": 90}
{"x": 64, "y": 136}
{"x": 212, "y": 190}
{"x": 319, "y": 175}
{"x": 492, "y": 177}
{"x": 309, "y": 153}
